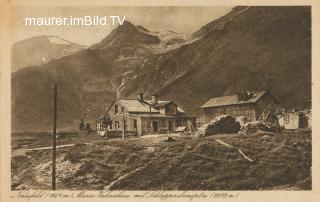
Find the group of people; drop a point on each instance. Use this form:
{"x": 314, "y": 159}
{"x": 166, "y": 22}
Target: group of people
{"x": 85, "y": 127}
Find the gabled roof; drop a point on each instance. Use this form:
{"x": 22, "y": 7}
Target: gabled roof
{"x": 136, "y": 106}
{"x": 162, "y": 103}
{"x": 232, "y": 100}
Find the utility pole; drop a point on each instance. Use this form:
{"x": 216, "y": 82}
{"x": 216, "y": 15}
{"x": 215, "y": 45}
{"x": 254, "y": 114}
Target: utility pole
{"x": 123, "y": 125}
{"x": 54, "y": 150}
{"x": 150, "y": 121}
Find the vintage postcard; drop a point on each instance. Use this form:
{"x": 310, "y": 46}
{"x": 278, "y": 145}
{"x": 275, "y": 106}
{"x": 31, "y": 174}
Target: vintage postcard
{"x": 159, "y": 101}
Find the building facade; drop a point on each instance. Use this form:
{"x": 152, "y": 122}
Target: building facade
{"x": 295, "y": 119}
{"x": 253, "y": 106}
{"x": 139, "y": 116}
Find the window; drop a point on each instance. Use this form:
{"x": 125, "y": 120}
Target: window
{"x": 124, "y": 124}
{"x": 134, "y": 124}
{"x": 116, "y": 124}
{"x": 286, "y": 119}
{"x": 111, "y": 125}
{"x": 115, "y": 109}
{"x": 166, "y": 109}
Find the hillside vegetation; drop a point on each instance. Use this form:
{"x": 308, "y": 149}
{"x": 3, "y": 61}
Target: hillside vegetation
{"x": 279, "y": 161}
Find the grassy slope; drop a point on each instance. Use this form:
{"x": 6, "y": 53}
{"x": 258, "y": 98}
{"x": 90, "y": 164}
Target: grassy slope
{"x": 32, "y": 95}
{"x": 279, "y": 161}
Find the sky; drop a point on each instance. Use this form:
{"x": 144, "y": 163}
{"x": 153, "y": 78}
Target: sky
{"x": 175, "y": 18}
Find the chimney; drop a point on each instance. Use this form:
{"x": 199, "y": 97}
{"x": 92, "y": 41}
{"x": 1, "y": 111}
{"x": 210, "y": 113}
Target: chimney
{"x": 140, "y": 97}
{"x": 241, "y": 96}
{"x": 155, "y": 99}
{"x": 249, "y": 95}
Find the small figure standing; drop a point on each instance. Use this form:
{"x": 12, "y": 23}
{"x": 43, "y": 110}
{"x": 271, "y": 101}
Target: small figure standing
{"x": 106, "y": 123}
{"x": 88, "y": 128}
{"x": 81, "y": 126}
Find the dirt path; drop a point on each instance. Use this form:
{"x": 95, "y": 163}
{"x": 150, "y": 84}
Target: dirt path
{"x": 23, "y": 151}
{"x": 43, "y": 148}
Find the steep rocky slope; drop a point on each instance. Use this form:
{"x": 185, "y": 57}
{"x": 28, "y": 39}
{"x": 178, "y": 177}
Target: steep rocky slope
{"x": 261, "y": 48}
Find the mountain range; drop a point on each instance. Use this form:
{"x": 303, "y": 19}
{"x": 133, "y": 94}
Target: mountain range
{"x": 250, "y": 48}
{"x": 39, "y": 50}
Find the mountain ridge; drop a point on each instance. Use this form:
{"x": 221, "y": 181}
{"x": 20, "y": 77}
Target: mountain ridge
{"x": 44, "y": 49}
{"x": 264, "y": 48}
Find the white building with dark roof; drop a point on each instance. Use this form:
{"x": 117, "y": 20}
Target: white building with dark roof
{"x": 140, "y": 116}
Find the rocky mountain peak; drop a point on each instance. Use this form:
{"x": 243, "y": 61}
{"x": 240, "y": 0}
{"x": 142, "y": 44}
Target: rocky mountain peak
{"x": 127, "y": 33}
{"x": 127, "y": 26}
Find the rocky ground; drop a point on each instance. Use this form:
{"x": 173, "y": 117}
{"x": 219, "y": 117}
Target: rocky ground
{"x": 266, "y": 161}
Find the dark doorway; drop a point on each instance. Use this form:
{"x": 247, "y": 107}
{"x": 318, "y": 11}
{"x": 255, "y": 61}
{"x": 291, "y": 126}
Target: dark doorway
{"x": 134, "y": 123}
{"x": 170, "y": 123}
{"x": 155, "y": 126}
{"x": 303, "y": 121}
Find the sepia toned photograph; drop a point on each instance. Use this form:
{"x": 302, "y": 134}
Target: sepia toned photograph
{"x": 214, "y": 98}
